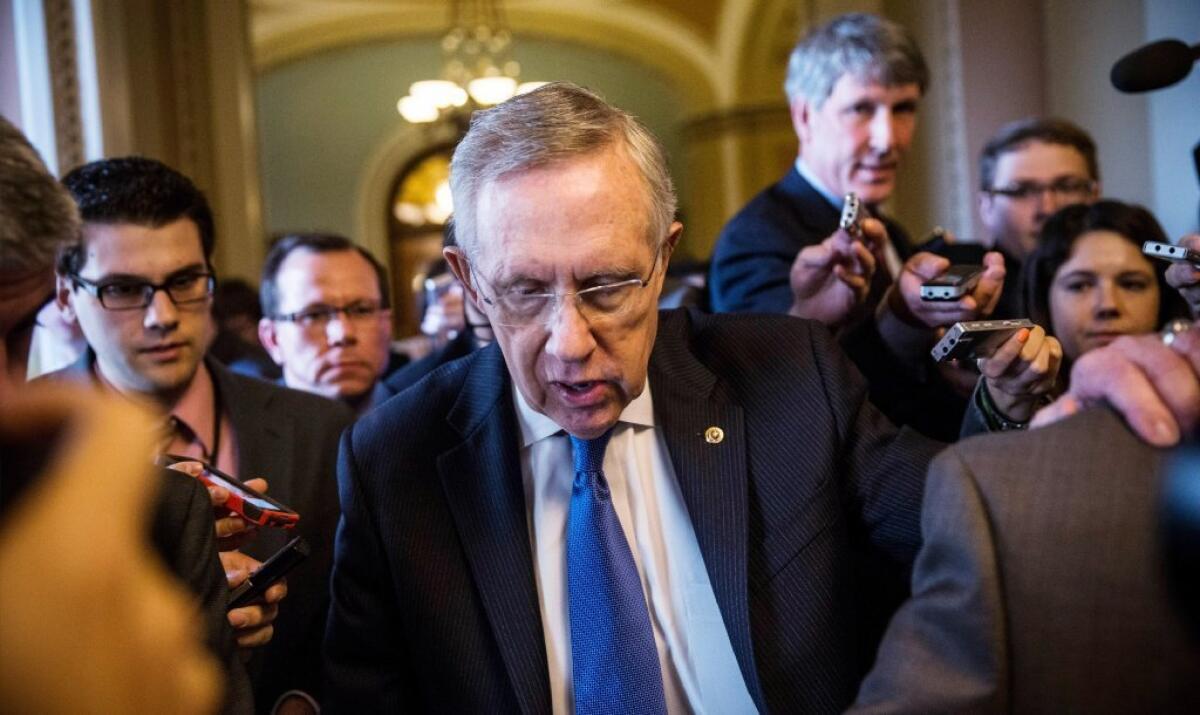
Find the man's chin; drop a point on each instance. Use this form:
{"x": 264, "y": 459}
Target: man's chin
{"x": 873, "y": 193}
{"x": 585, "y": 423}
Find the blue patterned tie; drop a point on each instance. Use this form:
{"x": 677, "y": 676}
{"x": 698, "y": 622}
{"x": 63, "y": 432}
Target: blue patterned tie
{"x": 614, "y": 659}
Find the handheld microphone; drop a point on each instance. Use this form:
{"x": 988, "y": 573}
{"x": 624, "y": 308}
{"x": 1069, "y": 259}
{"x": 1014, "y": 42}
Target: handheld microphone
{"x": 1154, "y": 66}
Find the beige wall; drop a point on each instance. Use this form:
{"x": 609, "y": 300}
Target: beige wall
{"x": 175, "y": 85}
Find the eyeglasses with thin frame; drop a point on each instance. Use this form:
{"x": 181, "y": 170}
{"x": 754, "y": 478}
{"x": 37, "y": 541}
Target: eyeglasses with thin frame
{"x": 610, "y": 302}
{"x": 318, "y": 317}
{"x": 1068, "y": 188}
{"x": 122, "y": 294}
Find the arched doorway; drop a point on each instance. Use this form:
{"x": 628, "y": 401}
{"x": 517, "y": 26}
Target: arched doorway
{"x": 417, "y": 211}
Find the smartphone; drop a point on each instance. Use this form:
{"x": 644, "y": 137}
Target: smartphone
{"x": 976, "y": 338}
{"x": 251, "y": 505}
{"x": 271, "y": 571}
{"x": 951, "y": 285}
{"x": 851, "y": 221}
{"x": 1171, "y": 252}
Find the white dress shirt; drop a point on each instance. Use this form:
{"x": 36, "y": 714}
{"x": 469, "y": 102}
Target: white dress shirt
{"x": 700, "y": 671}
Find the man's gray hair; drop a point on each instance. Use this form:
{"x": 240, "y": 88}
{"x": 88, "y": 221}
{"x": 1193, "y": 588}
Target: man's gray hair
{"x": 554, "y": 123}
{"x": 37, "y": 214}
{"x": 863, "y": 46}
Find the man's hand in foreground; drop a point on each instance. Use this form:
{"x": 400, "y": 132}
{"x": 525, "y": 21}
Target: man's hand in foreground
{"x": 253, "y": 624}
{"x": 833, "y": 277}
{"x": 904, "y": 297}
{"x": 1155, "y": 387}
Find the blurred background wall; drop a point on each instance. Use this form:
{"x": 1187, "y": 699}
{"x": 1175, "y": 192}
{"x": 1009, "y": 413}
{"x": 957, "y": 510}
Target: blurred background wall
{"x": 284, "y": 110}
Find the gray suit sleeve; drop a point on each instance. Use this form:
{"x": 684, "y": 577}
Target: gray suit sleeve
{"x": 945, "y": 649}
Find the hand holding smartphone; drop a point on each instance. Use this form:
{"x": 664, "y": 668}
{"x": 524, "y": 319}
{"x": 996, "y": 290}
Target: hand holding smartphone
{"x": 271, "y": 571}
{"x": 248, "y": 503}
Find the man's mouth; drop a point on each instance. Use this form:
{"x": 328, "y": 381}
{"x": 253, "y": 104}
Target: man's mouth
{"x": 583, "y": 393}
{"x": 164, "y": 351}
{"x": 887, "y": 167}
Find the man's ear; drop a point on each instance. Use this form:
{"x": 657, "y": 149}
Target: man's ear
{"x": 269, "y": 340}
{"x": 801, "y": 112}
{"x": 64, "y": 298}
{"x": 987, "y": 210}
{"x": 461, "y": 268}
{"x": 672, "y": 242}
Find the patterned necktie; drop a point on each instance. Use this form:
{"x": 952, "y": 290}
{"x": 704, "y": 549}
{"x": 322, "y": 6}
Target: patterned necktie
{"x": 614, "y": 659}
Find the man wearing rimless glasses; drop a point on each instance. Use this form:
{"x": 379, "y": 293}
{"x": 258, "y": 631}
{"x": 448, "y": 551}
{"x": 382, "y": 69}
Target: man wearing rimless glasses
{"x": 327, "y": 319}
{"x": 139, "y": 283}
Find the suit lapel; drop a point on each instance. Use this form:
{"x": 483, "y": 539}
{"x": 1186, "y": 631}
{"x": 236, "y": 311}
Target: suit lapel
{"x": 262, "y": 443}
{"x": 712, "y": 474}
{"x": 482, "y": 481}
{"x": 811, "y": 208}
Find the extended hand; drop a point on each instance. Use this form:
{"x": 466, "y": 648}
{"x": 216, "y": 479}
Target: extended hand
{"x": 253, "y": 624}
{"x": 1155, "y": 387}
{"x": 1021, "y": 371}
{"x": 233, "y": 532}
{"x": 831, "y": 278}
{"x": 904, "y": 298}
{"x": 1185, "y": 277}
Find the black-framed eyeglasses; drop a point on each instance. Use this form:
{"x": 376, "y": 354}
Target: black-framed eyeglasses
{"x": 123, "y": 294}
{"x": 519, "y": 308}
{"x": 317, "y": 317}
{"x": 1069, "y": 188}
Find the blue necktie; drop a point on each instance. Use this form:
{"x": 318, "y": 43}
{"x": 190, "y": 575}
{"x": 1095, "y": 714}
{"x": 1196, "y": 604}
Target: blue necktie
{"x": 614, "y": 659}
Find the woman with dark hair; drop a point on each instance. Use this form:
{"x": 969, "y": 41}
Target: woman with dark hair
{"x": 1088, "y": 283}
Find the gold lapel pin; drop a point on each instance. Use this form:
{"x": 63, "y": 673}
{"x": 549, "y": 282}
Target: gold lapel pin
{"x": 714, "y": 435}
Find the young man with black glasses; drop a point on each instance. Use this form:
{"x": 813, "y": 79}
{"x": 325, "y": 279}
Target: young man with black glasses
{"x": 139, "y": 283}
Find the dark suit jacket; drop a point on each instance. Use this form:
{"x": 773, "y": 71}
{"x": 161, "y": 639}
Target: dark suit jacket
{"x": 411, "y": 374}
{"x": 435, "y": 605}
{"x": 289, "y": 438}
{"x": 1040, "y": 585}
{"x": 750, "y": 273}
{"x": 755, "y": 251}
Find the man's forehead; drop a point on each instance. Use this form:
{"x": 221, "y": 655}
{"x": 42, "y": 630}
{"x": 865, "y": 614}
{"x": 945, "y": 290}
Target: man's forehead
{"x": 320, "y": 273}
{"x": 873, "y": 82}
{"x": 118, "y": 247}
{"x": 1042, "y": 157}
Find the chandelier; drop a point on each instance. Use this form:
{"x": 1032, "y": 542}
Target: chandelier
{"x": 477, "y": 66}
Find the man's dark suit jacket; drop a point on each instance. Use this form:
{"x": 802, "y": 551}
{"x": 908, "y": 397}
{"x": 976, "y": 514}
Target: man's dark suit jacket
{"x": 290, "y": 439}
{"x": 411, "y": 374}
{"x": 753, "y": 257}
{"x": 435, "y": 605}
{"x": 1040, "y": 587}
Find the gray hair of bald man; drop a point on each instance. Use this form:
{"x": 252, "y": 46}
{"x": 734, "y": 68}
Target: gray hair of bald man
{"x": 37, "y": 214}
{"x": 553, "y": 124}
{"x": 864, "y": 46}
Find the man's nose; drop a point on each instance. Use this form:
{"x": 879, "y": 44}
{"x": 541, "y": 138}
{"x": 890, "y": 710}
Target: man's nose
{"x": 162, "y": 313}
{"x": 883, "y": 130}
{"x": 340, "y": 330}
{"x": 1049, "y": 201}
{"x": 571, "y": 338}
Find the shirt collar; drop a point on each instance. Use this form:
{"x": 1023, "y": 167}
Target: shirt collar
{"x": 536, "y": 426}
{"x": 834, "y": 200}
{"x": 196, "y": 407}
